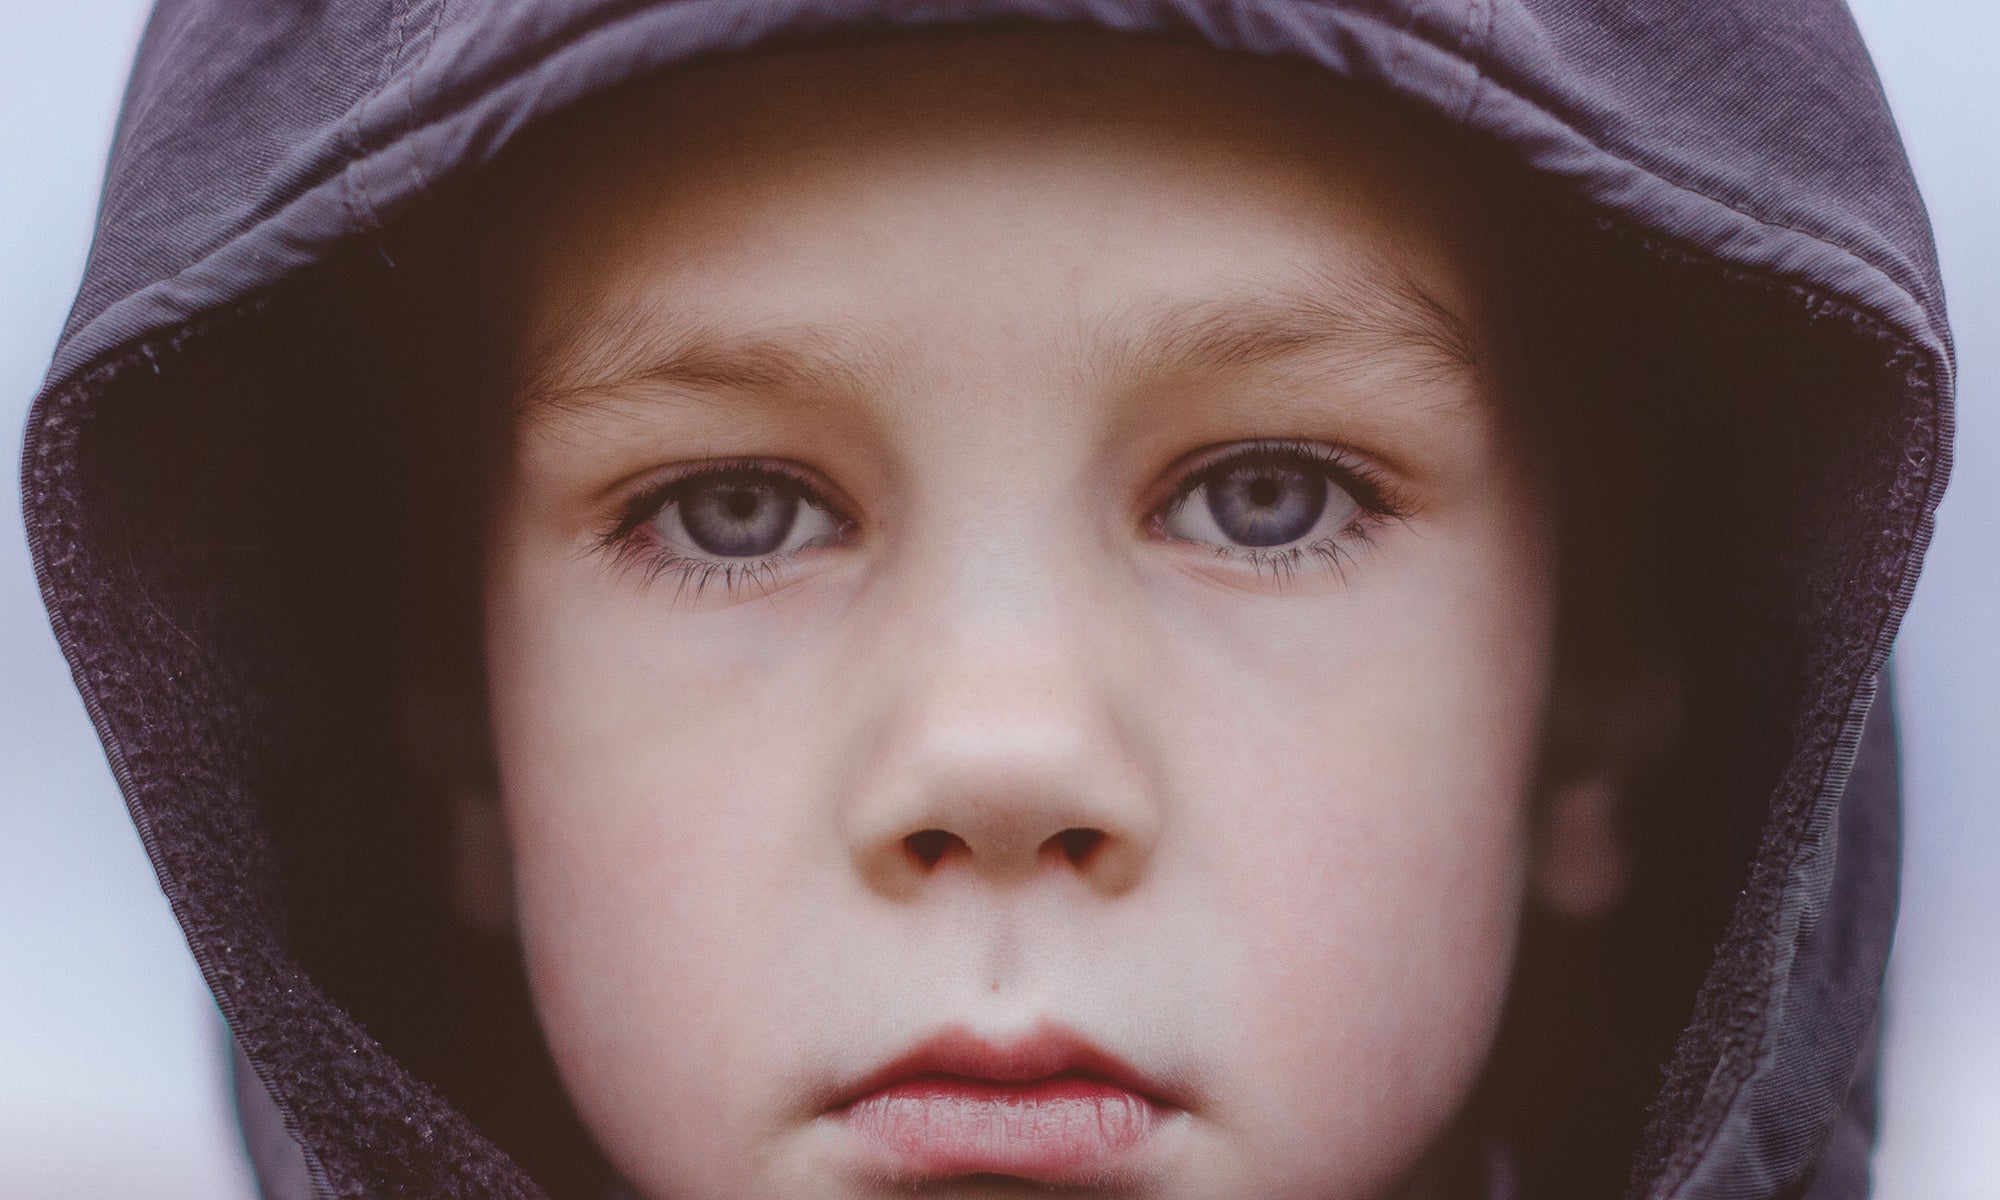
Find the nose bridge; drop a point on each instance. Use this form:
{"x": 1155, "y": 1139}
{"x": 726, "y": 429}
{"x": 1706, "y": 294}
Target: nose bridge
{"x": 1006, "y": 750}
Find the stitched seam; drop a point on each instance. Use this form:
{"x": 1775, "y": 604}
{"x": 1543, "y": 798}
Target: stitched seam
{"x": 1399, "y": 49}
{"x": 1475, "y": 51}
{"x": 384, "y": 75}
{"x": 418, "y": 181}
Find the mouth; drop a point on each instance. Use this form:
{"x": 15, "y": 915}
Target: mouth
{"x": 1050, "y": 1107}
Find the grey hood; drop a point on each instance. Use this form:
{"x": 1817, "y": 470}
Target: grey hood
{"x": 1738, "y": 150}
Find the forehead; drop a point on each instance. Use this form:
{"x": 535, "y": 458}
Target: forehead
{"x": 1070, "y": 195}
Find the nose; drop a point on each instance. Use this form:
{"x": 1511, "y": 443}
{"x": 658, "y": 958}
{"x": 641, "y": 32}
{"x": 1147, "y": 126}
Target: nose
{"x": 1009, "y": 760}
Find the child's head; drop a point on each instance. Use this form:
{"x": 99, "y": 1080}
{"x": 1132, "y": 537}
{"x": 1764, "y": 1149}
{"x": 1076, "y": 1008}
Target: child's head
{"x": 1019, "y": 627}
{"x": 1054, "y": 612}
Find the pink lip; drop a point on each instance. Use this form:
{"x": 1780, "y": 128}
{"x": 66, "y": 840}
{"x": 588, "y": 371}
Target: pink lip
{"x": 1050, "y": 1107}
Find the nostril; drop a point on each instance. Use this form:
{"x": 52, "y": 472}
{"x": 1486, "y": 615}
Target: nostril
{"x": 927, "y": 846}
{"x": 1078, "y": 845}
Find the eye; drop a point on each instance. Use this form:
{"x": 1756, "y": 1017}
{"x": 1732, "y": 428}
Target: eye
{"x": 1268, "y": 498}
{"x": 741, "y": 513}
{"x": 736, "y": 523}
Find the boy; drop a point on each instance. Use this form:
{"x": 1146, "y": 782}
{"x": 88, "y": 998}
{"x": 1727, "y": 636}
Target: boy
{"x": 1048, "y": 615}
{"x": 1008, "y": 605}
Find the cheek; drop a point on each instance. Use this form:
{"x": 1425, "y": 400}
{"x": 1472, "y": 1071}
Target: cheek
{"x": 653, "y": 865}
{"x": 1355, "y": 776}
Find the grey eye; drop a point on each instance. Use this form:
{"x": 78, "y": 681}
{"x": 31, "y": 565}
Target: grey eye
{"x": 1267, "y": 504}
{"x": 738, "y": 518}
{"x": 742, "y": 514}
{"x": 1261, "y": 503}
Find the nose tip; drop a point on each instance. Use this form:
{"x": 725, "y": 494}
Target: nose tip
{"x": 1006, "y": 789}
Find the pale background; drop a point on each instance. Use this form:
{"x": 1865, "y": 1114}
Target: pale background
{"x": 111, "y": 1068}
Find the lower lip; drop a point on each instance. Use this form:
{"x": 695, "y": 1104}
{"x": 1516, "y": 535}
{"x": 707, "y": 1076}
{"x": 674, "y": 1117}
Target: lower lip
{"x": 1049, "y": 1130}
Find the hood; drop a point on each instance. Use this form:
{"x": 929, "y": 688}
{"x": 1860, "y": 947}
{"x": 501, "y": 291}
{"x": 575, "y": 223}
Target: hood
{"x": 1738, "y": 152}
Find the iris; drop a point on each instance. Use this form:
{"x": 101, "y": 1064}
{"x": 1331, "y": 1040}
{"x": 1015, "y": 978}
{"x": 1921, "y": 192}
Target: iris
{"x": 739, "y": 517}
{"x": 1266, "y": 504}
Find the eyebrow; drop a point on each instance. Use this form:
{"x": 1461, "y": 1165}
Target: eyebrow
{"x": 591, "y": 357}
{"x": 1374, "y": 316}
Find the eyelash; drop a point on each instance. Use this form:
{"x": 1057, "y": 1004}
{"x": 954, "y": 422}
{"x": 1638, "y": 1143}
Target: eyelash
{"x": 1376, "y": 500}
{"x": 632, "y": 548}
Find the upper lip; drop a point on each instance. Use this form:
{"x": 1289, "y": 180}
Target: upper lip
{"x": 1046, "y": 1053}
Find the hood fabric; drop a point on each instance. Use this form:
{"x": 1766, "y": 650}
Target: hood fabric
{"x": 1739, "y": 149}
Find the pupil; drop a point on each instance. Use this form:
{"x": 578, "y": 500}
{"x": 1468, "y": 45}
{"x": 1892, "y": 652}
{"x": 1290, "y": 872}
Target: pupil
{"x": 1266, "y": 504}
{"x": 738, "y": 518}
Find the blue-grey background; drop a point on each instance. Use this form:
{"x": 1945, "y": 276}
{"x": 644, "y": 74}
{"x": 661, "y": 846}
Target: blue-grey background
{"x": 112, "y": 1079}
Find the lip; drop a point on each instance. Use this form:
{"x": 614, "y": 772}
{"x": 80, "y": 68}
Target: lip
{"x": 1050, "y": 1107}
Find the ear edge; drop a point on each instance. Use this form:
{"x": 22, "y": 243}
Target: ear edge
{"x": 1581, "y": 867}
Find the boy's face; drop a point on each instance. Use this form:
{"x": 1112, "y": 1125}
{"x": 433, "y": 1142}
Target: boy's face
{"x": 1017, "y": 638}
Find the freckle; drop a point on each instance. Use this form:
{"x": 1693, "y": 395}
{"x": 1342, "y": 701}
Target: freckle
{"x": 996, "y": 985}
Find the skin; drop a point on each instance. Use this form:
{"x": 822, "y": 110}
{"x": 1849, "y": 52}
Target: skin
{"x": 995, "y": 296}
